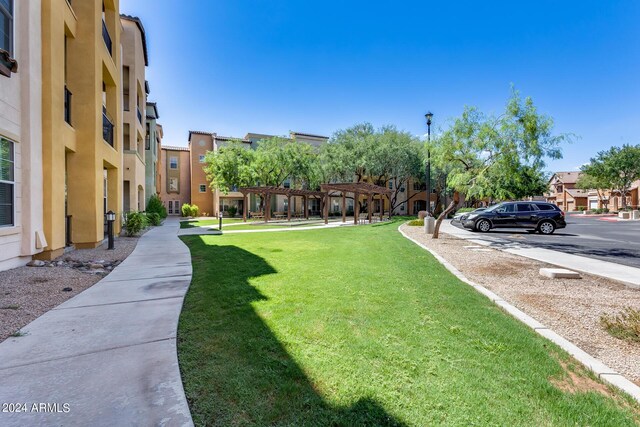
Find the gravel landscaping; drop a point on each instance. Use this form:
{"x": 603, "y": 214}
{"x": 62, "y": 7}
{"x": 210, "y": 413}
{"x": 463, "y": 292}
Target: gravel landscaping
{"x": 570, "y": 307}
{"x": 28, "y": 292}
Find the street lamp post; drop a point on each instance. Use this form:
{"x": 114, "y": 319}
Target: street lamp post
{"x": 111, "y": 217}
{"x": 429, "y": 116}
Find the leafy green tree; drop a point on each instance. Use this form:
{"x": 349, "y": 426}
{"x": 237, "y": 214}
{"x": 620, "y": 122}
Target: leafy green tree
{"x": 479, "y": 148}
{"x": 594, "y": 181}
{"x": 616, "y": 169}
{"x": 362, "y": 153}
{"x": 229, "y": 166}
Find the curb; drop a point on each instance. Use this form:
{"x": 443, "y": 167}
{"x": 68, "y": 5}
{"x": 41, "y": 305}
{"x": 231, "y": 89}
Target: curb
{"x": 603, "y": 372}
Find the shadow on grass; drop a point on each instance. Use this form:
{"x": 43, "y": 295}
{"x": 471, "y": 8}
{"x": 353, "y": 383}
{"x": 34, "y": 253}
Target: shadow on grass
{"x": 235, "y": 371}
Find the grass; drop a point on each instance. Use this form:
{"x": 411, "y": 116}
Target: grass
{"x": 205, "y": 222}
{"x": 358, "y": 326}
{"x": 625, "y": 325}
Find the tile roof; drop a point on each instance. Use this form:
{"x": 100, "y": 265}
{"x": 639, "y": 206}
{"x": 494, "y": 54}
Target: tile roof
{"x": 174, "y": 148}
{"x": 310, "y": 135}
{"x": 566, "y": 177}
{"x": 574, "y": 192}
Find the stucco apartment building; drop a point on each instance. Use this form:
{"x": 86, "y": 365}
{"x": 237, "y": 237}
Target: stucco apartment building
{"x": 153, "y": 142}
{"x": 21, "y": 222}
{"x": 82, "y": 119}
{"x": 212, "y": 202}
{"x": 61, "y": 123}
{"x": 174, "y": 177}
{"x": 563, "y": 192}
{"x": 134, "y": 61}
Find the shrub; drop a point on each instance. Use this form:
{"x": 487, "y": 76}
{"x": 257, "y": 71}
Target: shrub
{"x": 194, "y": 210}
{"x": 186, "y": 209}
{"x": 581, "y": 208}
{"x": 625, "y": 325}
{"x": 463, "y": 210}
{"x": 154, "y": 218}
{"x": 155, "y": 205}
{"x": 232, "y": 211}
{"x": 135, "y": 222}
{"x": 416, "y": 222}
{"x": 605, "y": 210}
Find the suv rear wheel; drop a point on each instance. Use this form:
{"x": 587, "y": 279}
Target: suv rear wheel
{"x": 483, "y": 225}
{"x": 546, "y": 227}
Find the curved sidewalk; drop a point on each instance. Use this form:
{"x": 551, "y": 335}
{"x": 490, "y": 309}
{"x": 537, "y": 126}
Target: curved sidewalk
{"x": 109, "y": 353}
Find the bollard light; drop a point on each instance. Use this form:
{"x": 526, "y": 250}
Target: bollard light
{"x": 220, "y": 225}
{"x": 111, "y": 217}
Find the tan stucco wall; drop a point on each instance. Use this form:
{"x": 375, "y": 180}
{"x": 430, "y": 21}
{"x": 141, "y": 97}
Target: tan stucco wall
{"x": 21, "y": 122}
{"x": 81, "y": 145}
{"x": 183, "y": 195}
{"x": 134, "y": 157}
{"x": 207, "y": 201}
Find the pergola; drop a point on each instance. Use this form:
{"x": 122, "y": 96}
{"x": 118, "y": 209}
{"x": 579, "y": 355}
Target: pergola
{"x": 358, "y": 189}
{"x": 267, "y": 191}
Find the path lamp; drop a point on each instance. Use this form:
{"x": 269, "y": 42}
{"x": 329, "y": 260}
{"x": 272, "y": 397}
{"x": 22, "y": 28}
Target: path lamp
{"x": 429, "y": 116}
{"x": 220, "y": 219}
{"x": 111, "y": 217}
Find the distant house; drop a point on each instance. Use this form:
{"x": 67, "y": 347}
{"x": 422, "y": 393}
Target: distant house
{"x": 563, "y": 192}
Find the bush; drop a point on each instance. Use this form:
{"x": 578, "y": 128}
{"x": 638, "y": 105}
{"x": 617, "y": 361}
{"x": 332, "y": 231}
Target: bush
{"x": 154, "y": 218}
{"x": 625, "y": 325}
{"x": 605, "y": 210}
{"x": 463, "y": 210}
{"x": 155, "y": 205}
{"x": 582, "y": 208}
{"x": 232, "y": 211}
{"x": 134, "y": 223}
{"x": 186, "y": 209}
{"x": 416, "y": 223}
{"x": 194, "y": 210}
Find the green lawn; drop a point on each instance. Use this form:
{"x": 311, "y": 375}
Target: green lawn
{"x": 212, "y": 221}
{"x": 358, "y": 326}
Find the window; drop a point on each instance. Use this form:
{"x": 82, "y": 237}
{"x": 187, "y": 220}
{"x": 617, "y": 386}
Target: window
{"x": 203, "y": 188}
{"x": 6, "y": 26}
{"x": 7, "y": 183}
{"x": 125, "y": 87}
{"x": 507, "y": 208}
{"x": 524, "y": 207}
{"x": 173, "y": 163}
{"x": 201, "y": 158}
{"x": 545, "y": 207}
{"x": 173, "y": 184}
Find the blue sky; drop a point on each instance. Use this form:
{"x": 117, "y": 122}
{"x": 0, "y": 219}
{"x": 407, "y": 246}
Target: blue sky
{"x": 272, "y": 66}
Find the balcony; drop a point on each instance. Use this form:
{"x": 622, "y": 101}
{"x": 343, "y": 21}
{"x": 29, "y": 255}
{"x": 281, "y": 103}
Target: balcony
{"x": 107, "y": 38}
{"x": 139, "y": 114}
{"x": 67, "y": 106}
{"x": 107, "y": 127}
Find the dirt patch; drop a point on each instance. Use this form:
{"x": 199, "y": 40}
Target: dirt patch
{"x": 574, "y": 382}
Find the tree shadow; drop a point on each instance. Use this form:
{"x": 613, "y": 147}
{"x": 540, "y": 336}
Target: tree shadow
{"x": 235, "y": 370}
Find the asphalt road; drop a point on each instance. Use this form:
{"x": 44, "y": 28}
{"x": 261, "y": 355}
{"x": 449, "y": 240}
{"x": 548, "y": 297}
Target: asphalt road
{"x": 587, "y": 236}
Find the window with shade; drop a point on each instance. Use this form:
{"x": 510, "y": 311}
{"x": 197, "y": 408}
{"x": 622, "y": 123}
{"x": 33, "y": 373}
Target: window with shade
{"x": 173, "y": 163}
{"x": 7, "y": 183}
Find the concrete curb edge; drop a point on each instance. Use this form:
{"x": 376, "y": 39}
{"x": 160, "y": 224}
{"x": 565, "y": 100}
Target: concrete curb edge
{"x": 596, "y": 366}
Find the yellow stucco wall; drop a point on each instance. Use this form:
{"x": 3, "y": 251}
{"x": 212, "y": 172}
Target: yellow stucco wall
{"x": 77, "y": 153}
{"x": 134, "y": 148}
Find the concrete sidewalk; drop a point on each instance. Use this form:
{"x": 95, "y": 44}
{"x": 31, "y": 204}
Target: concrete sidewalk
{"x": 109, "y": 353}
{"x": 622, "y": 273}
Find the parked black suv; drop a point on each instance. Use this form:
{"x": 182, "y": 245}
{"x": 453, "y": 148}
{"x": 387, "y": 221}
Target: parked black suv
{"x": 536, "y": 216}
